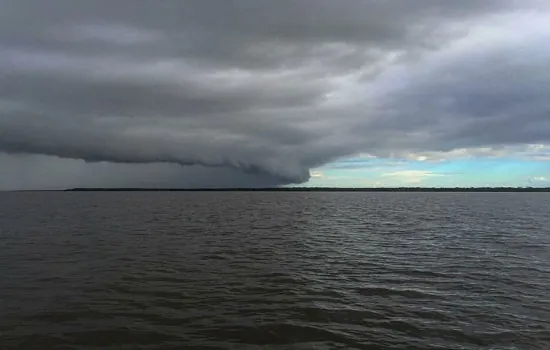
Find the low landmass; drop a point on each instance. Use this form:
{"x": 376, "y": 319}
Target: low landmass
{"x": 321, "y": 189}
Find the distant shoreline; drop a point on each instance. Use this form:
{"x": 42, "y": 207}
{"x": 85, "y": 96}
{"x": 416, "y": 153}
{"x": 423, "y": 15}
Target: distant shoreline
{"x": 319, "y": 189}
{"x": 302, "y": 189}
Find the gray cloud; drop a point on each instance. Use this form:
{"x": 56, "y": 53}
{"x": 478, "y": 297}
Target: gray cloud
{"x": 49, "y": 172}
{"x": 476, "y": 96}
{"x": 260, "y": 92}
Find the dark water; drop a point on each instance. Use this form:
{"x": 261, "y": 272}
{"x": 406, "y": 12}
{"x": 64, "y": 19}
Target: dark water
{"x": 274, "y": 271}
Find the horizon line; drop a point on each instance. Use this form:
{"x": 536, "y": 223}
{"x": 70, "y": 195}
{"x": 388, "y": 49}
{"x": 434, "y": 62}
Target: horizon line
{"x": 295, "y": 189}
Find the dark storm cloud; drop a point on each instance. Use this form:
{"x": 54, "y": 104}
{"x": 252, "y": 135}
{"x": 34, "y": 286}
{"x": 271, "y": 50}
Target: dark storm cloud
{"x": 267, "y": 88}
{"x": 48, "y": 172}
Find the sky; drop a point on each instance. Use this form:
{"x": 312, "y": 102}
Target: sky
{"x": 261, "y": 93}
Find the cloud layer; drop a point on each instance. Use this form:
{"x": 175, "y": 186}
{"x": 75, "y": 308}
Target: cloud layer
{"x": 268, "y": 90}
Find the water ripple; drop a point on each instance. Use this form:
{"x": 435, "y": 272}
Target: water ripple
{"x": 274, "y": 271}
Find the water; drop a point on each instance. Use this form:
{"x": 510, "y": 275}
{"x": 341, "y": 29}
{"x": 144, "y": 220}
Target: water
{"x": 274, "y": 271}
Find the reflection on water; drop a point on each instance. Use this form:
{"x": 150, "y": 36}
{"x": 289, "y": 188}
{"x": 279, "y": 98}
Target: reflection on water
{"x": 274, "y": 271}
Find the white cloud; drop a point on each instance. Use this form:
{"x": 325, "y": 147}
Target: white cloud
{"x": 412, "y": 176}
{"x": 316, "y": 174}
{"x": 526, "y": 152}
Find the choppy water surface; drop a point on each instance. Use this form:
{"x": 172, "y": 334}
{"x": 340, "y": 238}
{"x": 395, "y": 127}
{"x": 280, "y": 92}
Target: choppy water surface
{"x": 274, "y": 271}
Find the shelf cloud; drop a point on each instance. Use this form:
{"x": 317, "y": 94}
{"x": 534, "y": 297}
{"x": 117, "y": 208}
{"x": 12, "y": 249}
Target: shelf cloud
{"x": 253, "y": 92}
